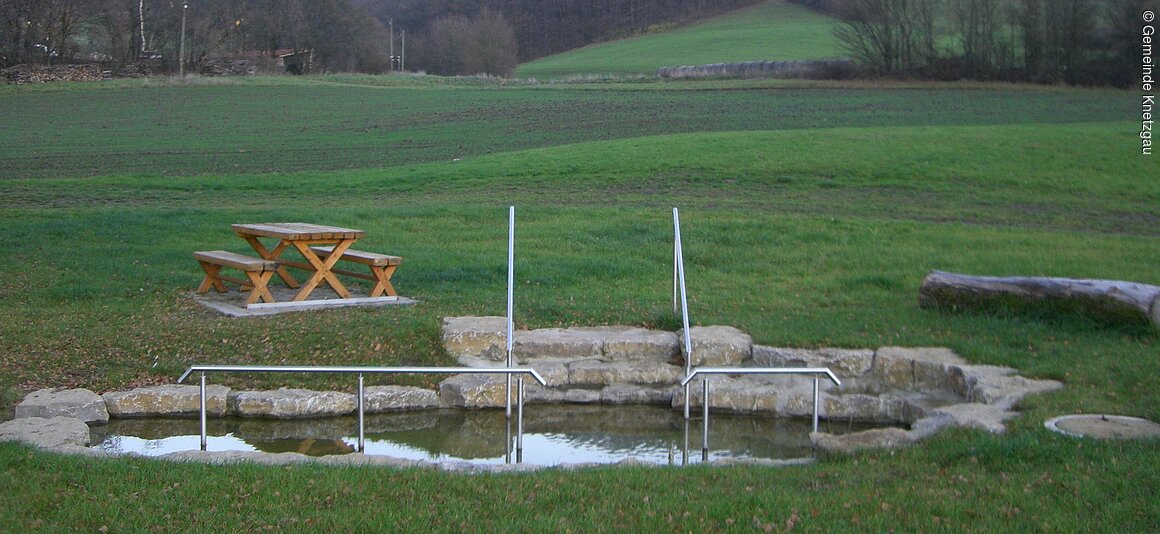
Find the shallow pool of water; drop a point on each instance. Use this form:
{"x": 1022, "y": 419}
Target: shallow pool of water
{"x": 553, "y": 435}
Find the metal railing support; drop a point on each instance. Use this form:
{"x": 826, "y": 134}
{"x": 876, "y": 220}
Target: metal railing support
{"x": 817, "y": 373}
{"x": 202, "y": 403}
{"x": 510, "y": 303}
{"x": 705, "y": 416}
{"x": 816, "y": 402}
{"x": 361, "y": 396}
{"x": 519, "y": 419}
{"x": 203, "y": 369}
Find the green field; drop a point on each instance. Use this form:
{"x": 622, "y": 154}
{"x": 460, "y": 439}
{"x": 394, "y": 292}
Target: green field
{"x": 810, "y": 213}
{"x": 775, "y": 31}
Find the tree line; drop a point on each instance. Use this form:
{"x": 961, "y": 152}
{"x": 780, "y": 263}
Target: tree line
{"x": 120, "y": 32}
{"x": 439, "y": 36}
{"x": 1078, "y": 42}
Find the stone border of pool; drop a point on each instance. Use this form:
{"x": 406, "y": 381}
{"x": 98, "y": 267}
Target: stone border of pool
{"x": 927, "y": 389}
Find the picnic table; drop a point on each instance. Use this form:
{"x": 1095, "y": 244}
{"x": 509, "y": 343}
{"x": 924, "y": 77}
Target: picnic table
{"x": 302, "y": 236}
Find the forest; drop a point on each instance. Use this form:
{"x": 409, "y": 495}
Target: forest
{"x": 1078, "y": 42}
{"x": 436, "y": 36}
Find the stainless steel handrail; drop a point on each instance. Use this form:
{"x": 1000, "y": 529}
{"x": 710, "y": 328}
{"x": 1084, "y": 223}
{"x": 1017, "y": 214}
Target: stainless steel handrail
{"x": 509, "y": 371}
{"x": 815, "y": 371}
{"x": 510, "y": 331}
{"x": 679, "y": 280}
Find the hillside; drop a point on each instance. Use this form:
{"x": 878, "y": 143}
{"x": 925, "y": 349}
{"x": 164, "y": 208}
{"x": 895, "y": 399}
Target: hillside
{"x": 773, "y": 31}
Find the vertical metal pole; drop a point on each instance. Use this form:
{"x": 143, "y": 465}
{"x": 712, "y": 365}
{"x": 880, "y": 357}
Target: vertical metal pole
{"x": 202, "y": 389}
{"x": 705, "y": 424}
{"x": 816, "y": 397}
{"x": 361, "y": 435}
{"x": 510, "y": 298}
{"x": 680, "y": 261}
{"x": 507, "y": 441}
{"x": 676, "y": 265}
{"x": 520, "y": 420}
{"x": 685, "y": 448}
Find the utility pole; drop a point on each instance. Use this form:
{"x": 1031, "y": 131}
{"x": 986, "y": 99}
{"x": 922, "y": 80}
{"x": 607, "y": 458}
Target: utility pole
{"x": 403, "y": 53}
{"x": 181, "y": 53}
{"x": 391, "y": 25}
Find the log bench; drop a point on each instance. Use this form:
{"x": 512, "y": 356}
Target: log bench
{"x": 258, "y": 273}
{"x": 382, "y": 267}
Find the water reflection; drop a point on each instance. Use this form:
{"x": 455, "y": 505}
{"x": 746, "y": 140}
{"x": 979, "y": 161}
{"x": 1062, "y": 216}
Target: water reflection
{"x": 553, "y": 435}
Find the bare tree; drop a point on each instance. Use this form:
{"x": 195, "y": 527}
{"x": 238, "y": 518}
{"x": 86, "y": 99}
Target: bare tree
{"x": 462, "y": 46}
{"x": 890, "y": 36}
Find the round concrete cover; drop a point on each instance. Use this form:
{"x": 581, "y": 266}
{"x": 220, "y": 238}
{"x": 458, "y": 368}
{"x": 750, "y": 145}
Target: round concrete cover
{"x": 1104, "y": 426}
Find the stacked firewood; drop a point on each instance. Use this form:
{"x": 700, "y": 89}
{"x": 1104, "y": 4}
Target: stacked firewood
{"x": 228, "y": 67}
{"x": 53, "y": 73}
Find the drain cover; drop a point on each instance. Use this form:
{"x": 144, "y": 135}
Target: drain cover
{"x": 1104, "y": 426}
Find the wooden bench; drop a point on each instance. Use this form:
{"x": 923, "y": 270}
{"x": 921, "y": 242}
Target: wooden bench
{"x": 382, "y": 267}
{"x": 258, "y": 273}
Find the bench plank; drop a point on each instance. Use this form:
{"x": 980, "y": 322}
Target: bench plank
{"x": 240, "y": 262}
{"x": 258, "y": 273}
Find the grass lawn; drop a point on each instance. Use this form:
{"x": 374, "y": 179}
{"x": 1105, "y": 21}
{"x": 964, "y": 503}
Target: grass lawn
{"x": 810, "y": 215}
{"x": 774, "y": 31}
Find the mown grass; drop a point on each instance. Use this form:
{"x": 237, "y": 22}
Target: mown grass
{"x": 812, "y": 230}
{"x": 775, "y": 31}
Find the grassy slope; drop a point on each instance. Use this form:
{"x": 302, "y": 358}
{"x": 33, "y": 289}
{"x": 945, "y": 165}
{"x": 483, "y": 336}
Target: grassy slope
{"x": 772, "y": 32}
{"x": 808, "y": 236}
{"x": 348, "y": 123}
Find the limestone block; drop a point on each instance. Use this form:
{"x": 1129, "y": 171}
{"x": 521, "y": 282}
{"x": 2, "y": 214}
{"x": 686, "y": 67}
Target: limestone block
{"x": 166, "y": 400}
{"x": 598, "y": 373}
{"x": 719, "y": 346}
{"x": 878, "y": 438}
{"x": 928, "y": 369}
{"x": 534, "y": 393}
{"x": 80, "y": 403}
{"x": 390, "y": 398}
{"x": 800, "y": 403}
{"x": 856, "y": 406}
{"x": 557, "y": 343}
{"x": 475, "y": 391}
{"x": 480, "y": 337}
{"x": 554, "y": 372}
{"x": 846, "y": 363}
{"x": 941, "y": 355}
{"x": 629, "y": 394}
{"x": 932, "y": 377}
{"x": 46, "y": 432}
{"x": 1006, "y": 391}
{"x": 582, "y": 396}
{"x": 732, "y": 395}
{"x": 893, "y": 372}
{"x": 974, "y": 415}
{"x": 292, "y": 403}
{"x": 627, "y": 343}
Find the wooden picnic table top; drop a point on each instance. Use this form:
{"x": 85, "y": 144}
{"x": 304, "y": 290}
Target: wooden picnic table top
{"x": 297, "y": 231}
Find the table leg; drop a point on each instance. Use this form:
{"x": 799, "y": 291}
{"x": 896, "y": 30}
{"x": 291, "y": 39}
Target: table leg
{"x": 322, "y": 269}
{"x": 268, "y": 254}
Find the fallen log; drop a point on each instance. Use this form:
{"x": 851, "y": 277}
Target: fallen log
{"x": 1111, "y": 300}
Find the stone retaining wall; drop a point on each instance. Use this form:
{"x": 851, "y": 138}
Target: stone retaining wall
{"x": 924, "y": 388}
